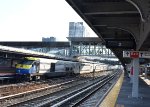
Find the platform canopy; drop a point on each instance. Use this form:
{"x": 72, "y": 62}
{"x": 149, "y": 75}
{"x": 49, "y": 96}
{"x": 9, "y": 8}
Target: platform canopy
{"x": 121, "y": 24}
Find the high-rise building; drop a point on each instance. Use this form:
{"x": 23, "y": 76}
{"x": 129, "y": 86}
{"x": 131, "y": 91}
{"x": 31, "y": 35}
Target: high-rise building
{"x": 48, "y": 39}
{"x": 76, "y": 29}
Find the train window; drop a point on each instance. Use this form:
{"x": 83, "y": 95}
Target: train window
{"x": 82, "y": 64}
{"x": 26, "y": 62}
{"x": 67, "y": 69}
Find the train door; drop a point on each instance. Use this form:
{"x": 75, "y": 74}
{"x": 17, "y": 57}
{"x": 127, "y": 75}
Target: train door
{"x": 35, "y": 70}
{"x": 52, "y": 69}
{"x": 37, "y": 66}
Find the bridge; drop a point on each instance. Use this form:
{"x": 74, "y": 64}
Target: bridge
{"x": 33, "y": 44}
{"x": 89, "y": 46}
{"x": 78, "y": 46}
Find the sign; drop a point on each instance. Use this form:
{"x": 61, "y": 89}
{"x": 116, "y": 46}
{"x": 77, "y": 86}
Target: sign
{"x": 136, "y": 54}
{"x": 126, "y": 54}
{"x": 125, "y": 44}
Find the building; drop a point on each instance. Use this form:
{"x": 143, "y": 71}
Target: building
{"x": 76, "y": 29}
{"x": 48, "y": 39}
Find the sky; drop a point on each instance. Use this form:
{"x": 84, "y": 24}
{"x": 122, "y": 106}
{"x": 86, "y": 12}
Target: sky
{"x": 30, "y": 20}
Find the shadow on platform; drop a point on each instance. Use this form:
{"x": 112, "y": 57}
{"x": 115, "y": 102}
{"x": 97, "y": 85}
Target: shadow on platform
{"x": 125, "y": 96}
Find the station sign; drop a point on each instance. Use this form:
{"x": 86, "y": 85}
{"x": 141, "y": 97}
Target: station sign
{"x": 136, "y": 54}
{"x": 125, "y": 44}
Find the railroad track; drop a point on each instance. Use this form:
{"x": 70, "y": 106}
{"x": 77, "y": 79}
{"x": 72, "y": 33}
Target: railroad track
{"x": 7, "y": 90}
{"x": 76, "y": 97}
{"x": 11, "y": 99}
{"x": 22, "y": 83}
{"x": 65, "y": 96}
{"x": 97, "y": 95}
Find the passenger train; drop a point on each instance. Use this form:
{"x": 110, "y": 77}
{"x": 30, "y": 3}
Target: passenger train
{"x": 34, "y": 68}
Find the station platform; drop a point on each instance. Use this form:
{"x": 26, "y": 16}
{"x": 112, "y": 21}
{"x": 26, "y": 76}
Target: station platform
{"x": 125, "y": 98}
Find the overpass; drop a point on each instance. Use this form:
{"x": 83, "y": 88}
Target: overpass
{"x": 89, "y": 46}
{"x": 16, "y": 53}
{"x": 39, "y": 46}
{"x": 77, "y": 46}
{"x": 33, "y": 44}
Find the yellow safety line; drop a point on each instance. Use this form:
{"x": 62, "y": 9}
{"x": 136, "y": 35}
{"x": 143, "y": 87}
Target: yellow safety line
{"x": 111, "y": 98}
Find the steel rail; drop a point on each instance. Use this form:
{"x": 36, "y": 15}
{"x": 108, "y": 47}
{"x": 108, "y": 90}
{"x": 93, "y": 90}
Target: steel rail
{"x": 43, "y": 102}
{"x": 84, "y": 92}
{"x": 37, "y": 90}
{"x": 72, "y": 94}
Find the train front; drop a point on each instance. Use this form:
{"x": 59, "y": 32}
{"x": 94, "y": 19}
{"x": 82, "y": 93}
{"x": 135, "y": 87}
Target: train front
{"x": 25, "y": 67}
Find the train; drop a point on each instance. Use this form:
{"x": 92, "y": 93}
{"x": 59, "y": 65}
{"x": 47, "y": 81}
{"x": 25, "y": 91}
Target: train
{"x": 33, "y": 68}
{"x": 87, "y": 67}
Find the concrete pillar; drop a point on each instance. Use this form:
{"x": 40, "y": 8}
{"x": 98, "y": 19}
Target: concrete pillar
{"x": 131, "y": 76}
{"x": 70, "y": 51}
{"x": 135, "y": 85}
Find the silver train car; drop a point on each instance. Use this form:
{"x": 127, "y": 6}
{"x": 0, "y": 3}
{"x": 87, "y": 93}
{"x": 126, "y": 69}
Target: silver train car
{"x": 90, "y": 67}
{"x": 35, "y": 68}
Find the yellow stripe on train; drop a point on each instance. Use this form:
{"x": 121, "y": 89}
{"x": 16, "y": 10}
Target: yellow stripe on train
{"x": 31, "y": 58}
{"x": 23, "y": 66}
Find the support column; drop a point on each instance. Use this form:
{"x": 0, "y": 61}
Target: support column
{"x": 70, "y": 50}
{"x": 135, "y": 85}
{"x": 80, "y": 47}
{"x": 131, "y": 72}
{"x": 94, "y": 50}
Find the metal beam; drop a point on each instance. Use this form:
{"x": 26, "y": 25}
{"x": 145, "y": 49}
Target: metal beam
{"x": 115, "y": 20}
{"x": 111, "y": 12}
{"x": 36, "y": 44}
{"x": 107, "y": 6}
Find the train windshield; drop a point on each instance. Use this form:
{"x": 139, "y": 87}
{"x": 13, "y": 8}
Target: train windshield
{"x": 27, "y": 62}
